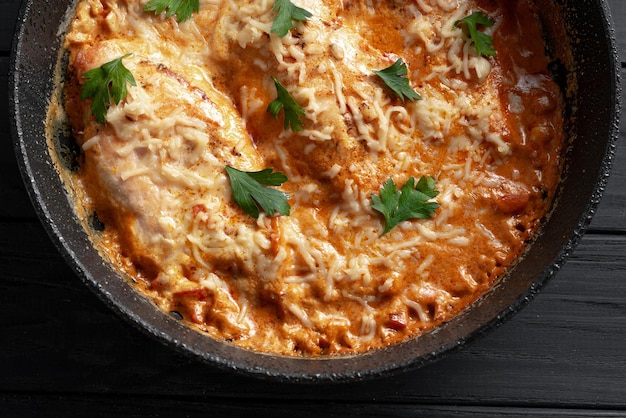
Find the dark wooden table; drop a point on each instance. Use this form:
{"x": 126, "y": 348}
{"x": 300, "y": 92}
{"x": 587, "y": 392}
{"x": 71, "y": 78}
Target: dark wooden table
{"x": 64, "y": 354}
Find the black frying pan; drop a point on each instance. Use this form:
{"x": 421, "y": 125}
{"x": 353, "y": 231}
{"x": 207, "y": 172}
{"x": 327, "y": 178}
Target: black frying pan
{"x": 580, "y": 38}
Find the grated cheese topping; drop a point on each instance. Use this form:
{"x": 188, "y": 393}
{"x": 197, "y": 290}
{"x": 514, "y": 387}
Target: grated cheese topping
{"x": 322, "y": 281}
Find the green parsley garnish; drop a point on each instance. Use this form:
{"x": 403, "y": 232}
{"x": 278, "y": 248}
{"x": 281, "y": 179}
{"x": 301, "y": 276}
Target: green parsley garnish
{"x": 395, "y": 78}
{"x": 249, "y": 191}
{"x": 286, "y": 13}
{"x": 410, "y": 202}
{"x": 483, "y": 43}
{"x": 183, "y": 9}
{"x": 106, "y": 82}
{"x": 293, "y": 111}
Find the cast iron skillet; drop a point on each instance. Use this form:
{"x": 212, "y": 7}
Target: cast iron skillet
{"x": 588, "y": 69}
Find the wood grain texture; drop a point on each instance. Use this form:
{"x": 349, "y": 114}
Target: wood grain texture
{"x": 64, "y": 353}
{"x": 48, "y": 406}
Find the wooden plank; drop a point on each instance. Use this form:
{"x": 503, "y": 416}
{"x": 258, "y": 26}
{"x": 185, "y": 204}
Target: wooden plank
{"x": 44, "y": 406}
{"x": 64, "y": 340}
{"x": 618, "y": 11}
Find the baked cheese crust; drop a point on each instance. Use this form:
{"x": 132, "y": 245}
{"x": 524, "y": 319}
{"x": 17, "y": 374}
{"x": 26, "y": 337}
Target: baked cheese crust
{"x": 323, "y": 280}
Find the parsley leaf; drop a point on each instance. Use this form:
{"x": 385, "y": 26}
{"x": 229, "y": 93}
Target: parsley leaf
{"x": 410, "y": 202}
{"x": 106, "y": 82}
{"x": 293, "y": 111}
{"x": 183, "y": 9}
{"x": 395, "y": 78}
{"x": 482, "y": 42}
{"x": 287, "y": 12}
{"x": 249, "y": 191}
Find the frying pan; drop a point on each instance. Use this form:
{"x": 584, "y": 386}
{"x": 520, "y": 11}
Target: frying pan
{"x": 580, "y": 40}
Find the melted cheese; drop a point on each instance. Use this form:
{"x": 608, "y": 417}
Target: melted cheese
{"x": 322, "y": 280}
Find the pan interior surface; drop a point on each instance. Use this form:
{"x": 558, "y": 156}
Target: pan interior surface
{"x": 588, "y": 71}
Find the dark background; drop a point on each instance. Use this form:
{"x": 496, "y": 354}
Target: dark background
{"x": 64, "y": 354}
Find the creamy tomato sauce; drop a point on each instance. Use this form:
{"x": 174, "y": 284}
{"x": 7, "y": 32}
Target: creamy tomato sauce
{"x": 324, "y": 280}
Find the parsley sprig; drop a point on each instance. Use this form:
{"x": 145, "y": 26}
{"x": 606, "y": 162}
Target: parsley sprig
{"x": 249, "y": 191}
{"x": 410, "y": 202}
{"x": 105, "y": 83}
{"x": 286, "y": 13}
{"x": 183, "y": 9}
{"x": 483, "y": 43}
{"x": 395, "y": 78}
{"x": 292, "y": 109}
